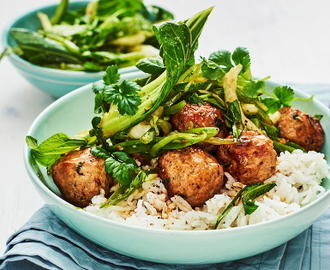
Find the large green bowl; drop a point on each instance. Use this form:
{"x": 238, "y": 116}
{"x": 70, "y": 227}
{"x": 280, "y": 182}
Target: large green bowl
{"x": 73, "y": 113}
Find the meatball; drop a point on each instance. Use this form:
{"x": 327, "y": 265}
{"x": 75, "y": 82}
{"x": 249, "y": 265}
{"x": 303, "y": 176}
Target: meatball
{"x": 79, "y": 175}
{"x": 300, "y": 128}
{"x": 193, "y": 116}
{"x": 250, "y": 161}
{"x": 191, "y": 173}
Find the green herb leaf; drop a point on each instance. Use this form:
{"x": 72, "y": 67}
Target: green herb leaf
{"x": 53, "y": 148}
{"x": 125, "y": 96}
{"x": 151, "y": 65}
{"x": 119, "y": 164}
{"x": 242, "y": 56}
{"x": 272, "y": 104}
{"x": 123, "y": 192}
{"x": 111, "y": 75}
{"x": 285, "y": 95}
{"x": 252, "y": 88}
{"x": 223, "y": 59}
{"x": 213, "y": 71}
{"x": 318, "y": 116}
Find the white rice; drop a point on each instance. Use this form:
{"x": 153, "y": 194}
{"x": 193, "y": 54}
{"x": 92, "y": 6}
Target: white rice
{"x": 298, "y": 178}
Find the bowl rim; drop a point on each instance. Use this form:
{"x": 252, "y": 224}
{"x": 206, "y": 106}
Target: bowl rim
{"x": 70, "y": 207}
{"x": 46, "y": 70}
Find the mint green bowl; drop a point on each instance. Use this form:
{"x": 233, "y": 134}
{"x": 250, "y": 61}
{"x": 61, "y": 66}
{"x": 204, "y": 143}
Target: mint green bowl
{"x": 54, "y": 82}
{"x": 73, "y": 113}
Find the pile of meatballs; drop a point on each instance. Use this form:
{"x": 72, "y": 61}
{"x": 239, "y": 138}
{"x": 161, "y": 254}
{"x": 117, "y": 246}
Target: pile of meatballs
{"x": 195, "y": 173}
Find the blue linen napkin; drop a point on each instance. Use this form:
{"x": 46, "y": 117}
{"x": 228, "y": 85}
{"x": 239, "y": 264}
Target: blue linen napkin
{"x": 45, "y": 242}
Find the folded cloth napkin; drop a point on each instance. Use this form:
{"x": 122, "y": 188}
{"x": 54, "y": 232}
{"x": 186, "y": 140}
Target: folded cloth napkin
{"x": 45, "y": 242}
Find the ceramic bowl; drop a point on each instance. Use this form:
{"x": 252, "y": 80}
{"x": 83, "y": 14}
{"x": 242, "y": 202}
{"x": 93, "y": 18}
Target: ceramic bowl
{"x": 164, "y": 246}
{"x": 52, "y": 81}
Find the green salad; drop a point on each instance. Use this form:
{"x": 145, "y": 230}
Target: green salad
{"x": 99, "y": 34}
{"x": 133, "y": 116}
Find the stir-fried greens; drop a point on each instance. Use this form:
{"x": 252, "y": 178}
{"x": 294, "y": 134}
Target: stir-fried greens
{"x": 90, "y": 38}
{"x": 133, "y": 116}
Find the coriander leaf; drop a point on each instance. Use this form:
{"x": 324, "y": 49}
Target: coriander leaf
{"x": 178, "y": 57}
{"x": 213, "y": 71}
{"x": 99, "y": 105}
{"x": 252, "y": 88}
{"x": 98, "y": 87}
{"x": 223, "y": 59}
{"x": 125, "y": 96}
{"x": 242, "y": 56}
{"x": 285, "y": 94}
{"x": 111, "y": 75}
{"x": 272, "y": 104}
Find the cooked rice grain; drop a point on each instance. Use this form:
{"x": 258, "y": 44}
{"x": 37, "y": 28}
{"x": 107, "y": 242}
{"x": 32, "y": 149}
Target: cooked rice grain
{"x": 298, "y": 178}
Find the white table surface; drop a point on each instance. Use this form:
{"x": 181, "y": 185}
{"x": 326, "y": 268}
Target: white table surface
{"x": 289, "y": 40}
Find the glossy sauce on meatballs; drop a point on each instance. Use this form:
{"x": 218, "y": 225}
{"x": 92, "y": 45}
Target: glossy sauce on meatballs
{"x": 191, "y": 173}
{"x": 300, "y": 128}
{"x": 193, "y": 116}
{"x": 250, "y": 161}
{"x": 79, "y": 175}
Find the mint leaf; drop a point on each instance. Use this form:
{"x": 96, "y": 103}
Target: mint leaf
{"x": 119, "y": 164}
{"x": 122, "y": 167}
{"x": 52, "y": 148}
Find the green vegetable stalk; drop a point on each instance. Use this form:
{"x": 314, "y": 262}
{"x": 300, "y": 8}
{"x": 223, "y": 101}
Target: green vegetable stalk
{"x": 247, "y": 195}
{"x": 178, "y": 43}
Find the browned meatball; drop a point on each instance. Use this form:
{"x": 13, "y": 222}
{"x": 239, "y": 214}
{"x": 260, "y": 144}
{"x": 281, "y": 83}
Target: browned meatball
{"x": 300, "y": 128}
{"x": 193, "y": 116}
{"x": 251, "y": 161}
{"x": 79, "y": 175}
{"x": 191, "y": 173}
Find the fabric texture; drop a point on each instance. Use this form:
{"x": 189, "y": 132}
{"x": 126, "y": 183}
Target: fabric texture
{"x": 45, "y": 242}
